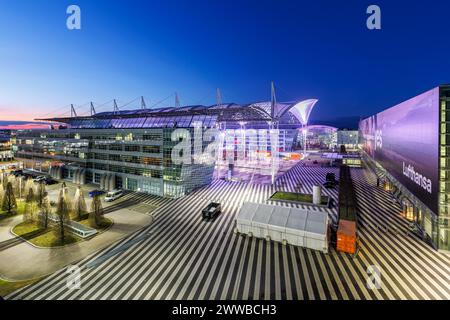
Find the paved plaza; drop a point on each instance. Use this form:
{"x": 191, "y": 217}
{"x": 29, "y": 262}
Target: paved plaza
{"x": 180, "y": 256}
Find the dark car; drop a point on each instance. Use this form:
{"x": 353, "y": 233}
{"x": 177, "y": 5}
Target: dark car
{"x": 96, "y": 192}
{"x": 49, "y": 181}
{"x": 331, "y": 181}
{"x": 330, "y": 177}
{"x": 329, "y": 184}
{"x": 212, "y": 210}
{"x": 17, "y": 173}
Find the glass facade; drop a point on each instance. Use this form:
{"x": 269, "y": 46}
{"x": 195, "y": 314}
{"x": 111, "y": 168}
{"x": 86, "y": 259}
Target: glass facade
{"x": 433, "y": 216}
{"x": 443, "y": 221}
{"x": 139, "y": 159}
{"x": 133, "y": 148}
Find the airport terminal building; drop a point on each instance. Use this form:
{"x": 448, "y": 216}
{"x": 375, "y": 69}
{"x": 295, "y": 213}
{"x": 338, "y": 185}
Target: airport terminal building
{"x": 131, "y": 149}
{"x": 408, "y": 146}
{"x": 6, "y": 153}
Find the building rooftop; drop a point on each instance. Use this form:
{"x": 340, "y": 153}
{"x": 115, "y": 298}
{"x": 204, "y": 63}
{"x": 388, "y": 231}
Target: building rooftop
{"x": 258, "y": 114}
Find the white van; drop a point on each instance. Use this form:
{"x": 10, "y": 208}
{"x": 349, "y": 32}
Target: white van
{"x": 113, "y": 195}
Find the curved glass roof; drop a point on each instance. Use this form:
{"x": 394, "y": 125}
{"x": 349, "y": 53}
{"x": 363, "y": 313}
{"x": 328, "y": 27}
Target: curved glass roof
{"x": 286, "y": 113}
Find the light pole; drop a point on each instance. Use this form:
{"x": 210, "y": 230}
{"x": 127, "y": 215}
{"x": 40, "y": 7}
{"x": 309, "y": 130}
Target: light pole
{"x": 305, "y": 132}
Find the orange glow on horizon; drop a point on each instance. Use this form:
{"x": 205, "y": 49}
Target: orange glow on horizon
{"x": 25, "y": 126}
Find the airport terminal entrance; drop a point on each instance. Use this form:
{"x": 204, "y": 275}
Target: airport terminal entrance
{"x": 409, "y": 211}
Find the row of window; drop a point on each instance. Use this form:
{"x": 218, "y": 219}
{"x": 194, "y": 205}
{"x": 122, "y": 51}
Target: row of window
{"x": 144, "y": 122}
{"x": 127, "y": 158}
{"x": 128, "y": 148}
{"x": 153, "y": 173}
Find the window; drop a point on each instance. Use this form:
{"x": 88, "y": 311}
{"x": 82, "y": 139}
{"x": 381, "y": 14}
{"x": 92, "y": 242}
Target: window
{"x": 151, "y": 187}
{"x": 115, "y": 168}
{"x": 151, "y": 149}
{"x": 100, "y": 156}
{"x": 115, "y": 147}
{"x": 152, "y": 136}
{"x": 132, "y": 148}
{"x": 100, "y": 166}
{"x": 151, "y": 161}
{"x": 114, "y": 157}
{"x": 132, "y": 184}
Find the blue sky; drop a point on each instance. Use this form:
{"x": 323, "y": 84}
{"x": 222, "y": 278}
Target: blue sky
{"x": 311, "y": 49}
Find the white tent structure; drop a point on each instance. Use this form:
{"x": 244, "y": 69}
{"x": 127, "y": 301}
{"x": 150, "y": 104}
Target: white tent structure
{"x": 299, "y": 227}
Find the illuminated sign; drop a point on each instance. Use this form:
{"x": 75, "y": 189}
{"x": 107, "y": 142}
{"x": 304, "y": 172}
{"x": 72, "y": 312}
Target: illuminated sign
{"x": 404, "y": 139}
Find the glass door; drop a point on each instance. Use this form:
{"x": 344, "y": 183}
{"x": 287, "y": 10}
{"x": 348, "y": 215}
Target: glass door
{"x": 132, "y": 184}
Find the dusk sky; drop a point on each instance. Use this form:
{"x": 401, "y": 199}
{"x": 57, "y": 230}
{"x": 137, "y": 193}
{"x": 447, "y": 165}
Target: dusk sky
{"x": 311, "y": 49}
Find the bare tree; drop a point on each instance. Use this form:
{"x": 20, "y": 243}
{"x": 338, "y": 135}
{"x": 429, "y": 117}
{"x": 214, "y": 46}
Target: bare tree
{"x": 29, "y": 184}
{"x": 2, "y": 192}
{"x": 40, "y": 195}
{"x": 44, "y": 212}
{"x": 14, "y": 184}
{"x": 3, "y": 178}
{"x": 42, "y": 204}
{"x": 30, "y": 202}
{"x": 80, "y": 207}
{"x": 96, "y": 215}
{"x": 62, "y": 210}
{"x": 9, "y": 200}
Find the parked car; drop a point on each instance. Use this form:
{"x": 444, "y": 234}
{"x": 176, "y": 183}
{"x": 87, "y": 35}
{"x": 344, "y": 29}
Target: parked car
{"x": 212, "y": 210}
{"x": 330, "y": 177}
{"x": 113, "y": 195}
{"x": 96, "y": 192}
{"x": 49, "y": 181}
{"x": 331, "y": 181}
{"x": 329, "y": 184}
{"x": 39, "y": 178}
{"x": 17, "y": 173}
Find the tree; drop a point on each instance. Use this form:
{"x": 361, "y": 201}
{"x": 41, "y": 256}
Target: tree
{"x": 29, "y": 205}
{"x": 96, "y": 215}
{"x": 80, "y": 207}
{"x": 14, "y": 182}
{"x": 29, "y": 184}
{"x": 3, "y": 178}
{"x": 44, "y": 212}
{"x": 62, "y": 211}
{"x": 9, "y": 200}
{"x": 2, "y": 192}
{"x": 43, "y": 205}
{"x": 41, "y": 194}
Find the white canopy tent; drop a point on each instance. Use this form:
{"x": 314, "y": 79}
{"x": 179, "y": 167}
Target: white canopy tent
{"x": 299, "y": 227}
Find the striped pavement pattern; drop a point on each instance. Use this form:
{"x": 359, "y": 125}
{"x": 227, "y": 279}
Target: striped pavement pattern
{"x": 186, "y": 258}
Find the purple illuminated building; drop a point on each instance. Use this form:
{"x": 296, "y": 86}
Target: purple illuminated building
{"x": 408, "y": 146}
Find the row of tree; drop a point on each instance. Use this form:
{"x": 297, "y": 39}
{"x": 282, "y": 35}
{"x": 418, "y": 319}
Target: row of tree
{"x": 37, "y": 206}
